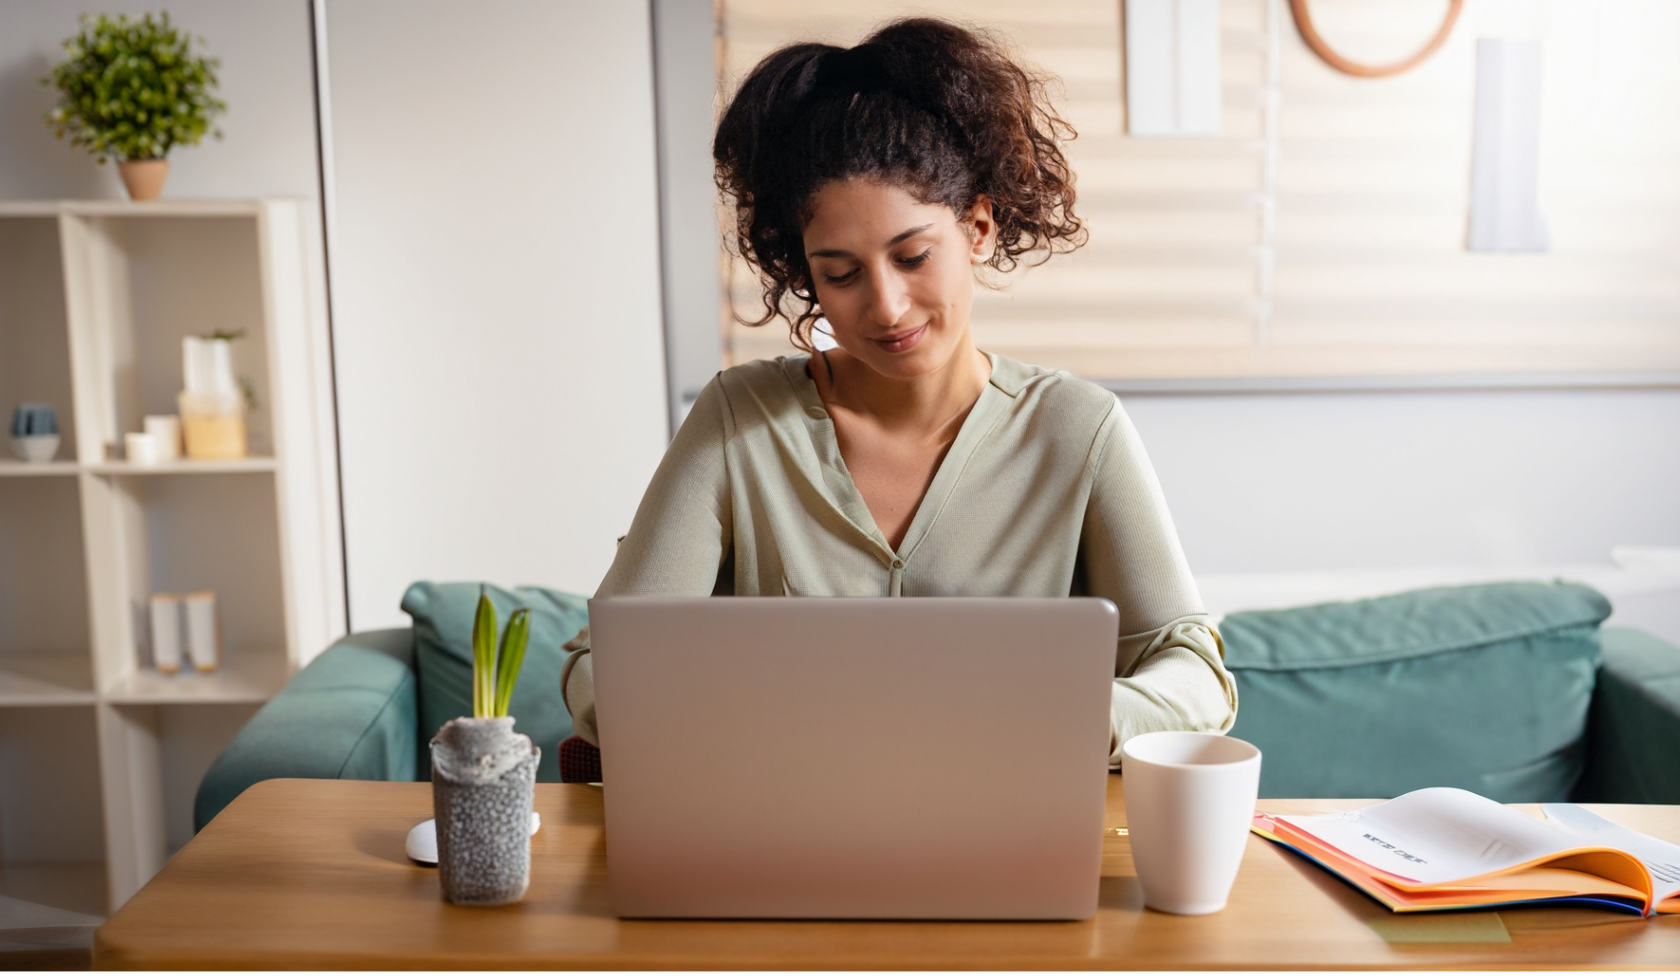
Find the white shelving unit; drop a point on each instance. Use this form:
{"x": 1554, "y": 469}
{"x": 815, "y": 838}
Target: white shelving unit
{"x": 100, "y": 756}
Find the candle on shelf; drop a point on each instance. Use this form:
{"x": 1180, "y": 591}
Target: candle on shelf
{"x": 141, "y": 449}
{"x": 165, "y": 430}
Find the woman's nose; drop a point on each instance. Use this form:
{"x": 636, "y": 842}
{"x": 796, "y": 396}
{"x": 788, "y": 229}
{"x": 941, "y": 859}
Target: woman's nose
{"x": 889, "y": 300}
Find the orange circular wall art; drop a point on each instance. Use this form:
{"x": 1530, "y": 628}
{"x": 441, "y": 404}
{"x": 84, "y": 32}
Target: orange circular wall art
{"x": 1309, "y": 34}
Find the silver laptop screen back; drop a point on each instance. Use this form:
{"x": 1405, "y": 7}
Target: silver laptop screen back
{"x": 854, "y": 758}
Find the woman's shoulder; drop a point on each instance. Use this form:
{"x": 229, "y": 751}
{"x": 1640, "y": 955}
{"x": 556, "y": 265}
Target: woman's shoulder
{"x": 768, "y": 389}
{"x": 781, "y": 377}
{"x": 1038, "y": 388}
{"x": 776, "y": 373}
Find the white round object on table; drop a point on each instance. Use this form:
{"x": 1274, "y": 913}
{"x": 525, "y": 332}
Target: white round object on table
{"x": 422, "y": 840}
{"x": 422, "y": 843}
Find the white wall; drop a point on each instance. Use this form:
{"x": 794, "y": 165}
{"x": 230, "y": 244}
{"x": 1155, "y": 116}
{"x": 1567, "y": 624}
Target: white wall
{"x": 268, "y": 147}
{"x": 1292, "y": 482}
{"x": 495, "y": 263}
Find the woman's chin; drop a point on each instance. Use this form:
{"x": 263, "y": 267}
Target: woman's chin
{"x": 906, "y": 366}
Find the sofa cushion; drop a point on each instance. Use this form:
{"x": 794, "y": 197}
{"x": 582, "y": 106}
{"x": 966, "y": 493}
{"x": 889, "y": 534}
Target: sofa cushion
{"x": 349, "y": 714}
{"x": 1483, "y": 687}
{"x": 443, "y": 616}
{"x": 1634, "y": 728}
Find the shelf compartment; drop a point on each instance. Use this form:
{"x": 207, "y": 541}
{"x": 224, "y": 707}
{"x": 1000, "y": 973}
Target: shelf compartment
{"x": 34, "y": 332}
{"x": 50, "y": 804}
{"x": 75, "y": 886}
{"x": 44, "y": 642}
{"x": 44, "y": 679}
{"x": 180, "y": 533}
{"x": 244, "y": 678}
{"x": 139, "y": 282}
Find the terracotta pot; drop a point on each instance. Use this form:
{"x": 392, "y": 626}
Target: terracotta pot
{"x": 144, "y": 178}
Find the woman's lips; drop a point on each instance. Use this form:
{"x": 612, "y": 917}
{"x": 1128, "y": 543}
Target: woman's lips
{"x": 901, "y": 341}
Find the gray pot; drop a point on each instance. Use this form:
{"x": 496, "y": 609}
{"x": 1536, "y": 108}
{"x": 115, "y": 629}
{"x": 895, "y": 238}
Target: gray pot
{"x": 484, "y": 776}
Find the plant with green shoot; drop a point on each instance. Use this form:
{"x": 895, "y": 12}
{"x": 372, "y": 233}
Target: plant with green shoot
{"x": 496, "y": 668}
{"x": 133, "y": 89}
{"x": 246, "y": 388}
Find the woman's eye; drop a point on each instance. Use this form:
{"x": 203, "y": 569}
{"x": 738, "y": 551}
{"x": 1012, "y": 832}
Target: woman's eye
{"x": 840, "y": 280}
{"x": 915, "y": 260}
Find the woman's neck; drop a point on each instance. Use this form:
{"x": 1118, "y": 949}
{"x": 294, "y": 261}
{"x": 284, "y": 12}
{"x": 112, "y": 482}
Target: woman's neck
{"x": 928, "y": 403}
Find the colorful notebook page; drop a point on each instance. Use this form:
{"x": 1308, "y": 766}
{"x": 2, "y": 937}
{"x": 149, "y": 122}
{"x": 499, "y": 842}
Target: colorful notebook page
{"x": 1441, "y": 848}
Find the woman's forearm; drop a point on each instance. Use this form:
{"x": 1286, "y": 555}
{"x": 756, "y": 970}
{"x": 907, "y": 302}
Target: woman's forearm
{"x": 1178, "y": 683}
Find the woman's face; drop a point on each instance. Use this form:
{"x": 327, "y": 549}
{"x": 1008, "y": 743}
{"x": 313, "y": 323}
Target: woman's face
{"x": 894, "y": 276}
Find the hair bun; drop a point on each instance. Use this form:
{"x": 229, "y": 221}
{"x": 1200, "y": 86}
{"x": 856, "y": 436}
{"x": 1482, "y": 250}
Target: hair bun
{"x": 935, "y": 108}
{"x": 850, "y": 70}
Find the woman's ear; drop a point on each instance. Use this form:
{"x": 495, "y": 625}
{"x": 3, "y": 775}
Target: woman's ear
{"x": 982, "y": 231}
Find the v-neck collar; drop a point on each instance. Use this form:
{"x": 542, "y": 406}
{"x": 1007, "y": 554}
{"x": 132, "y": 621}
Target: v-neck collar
{"x": 1001, "y": 388}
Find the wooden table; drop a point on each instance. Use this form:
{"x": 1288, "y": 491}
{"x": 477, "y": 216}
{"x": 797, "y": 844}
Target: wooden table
{"x": 311, "y": 874}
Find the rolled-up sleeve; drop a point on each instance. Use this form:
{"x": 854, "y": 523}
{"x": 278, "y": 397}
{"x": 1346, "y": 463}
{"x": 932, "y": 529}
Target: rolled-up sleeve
{"x": 1169, "y": 664}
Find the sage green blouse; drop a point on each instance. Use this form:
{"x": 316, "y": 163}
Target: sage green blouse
{"x": 1046, "y": 491}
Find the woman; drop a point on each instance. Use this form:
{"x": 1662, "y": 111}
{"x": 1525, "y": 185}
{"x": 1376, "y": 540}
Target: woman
{"x": 870, "y": 186}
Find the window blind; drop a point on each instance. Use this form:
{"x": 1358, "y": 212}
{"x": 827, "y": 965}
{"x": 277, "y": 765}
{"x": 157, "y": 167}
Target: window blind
{"x": 1322, "y": 234}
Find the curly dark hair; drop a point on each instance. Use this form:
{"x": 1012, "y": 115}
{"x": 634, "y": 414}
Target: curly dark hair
{"x": 937, "y": 109}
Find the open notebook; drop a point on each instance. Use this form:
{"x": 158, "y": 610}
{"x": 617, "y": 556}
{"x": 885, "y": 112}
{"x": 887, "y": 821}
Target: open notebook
{"x": 1440, "y": 849}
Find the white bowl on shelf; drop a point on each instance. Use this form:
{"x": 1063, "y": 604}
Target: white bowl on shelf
{"x": 35, "y": 449}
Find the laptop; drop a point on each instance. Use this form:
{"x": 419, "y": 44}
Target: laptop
{"x": 906, "y": 758}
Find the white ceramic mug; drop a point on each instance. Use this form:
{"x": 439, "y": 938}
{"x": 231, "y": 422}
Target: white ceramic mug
{"x": 1189, "y": 802}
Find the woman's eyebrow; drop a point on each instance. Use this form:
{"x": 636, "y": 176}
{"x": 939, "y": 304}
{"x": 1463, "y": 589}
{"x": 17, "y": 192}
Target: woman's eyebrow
{"x": 837, "y": 253}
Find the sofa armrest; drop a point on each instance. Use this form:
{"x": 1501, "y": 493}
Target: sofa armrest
{"x": 1633, "y": 729}
{"x": 349, "y": 714}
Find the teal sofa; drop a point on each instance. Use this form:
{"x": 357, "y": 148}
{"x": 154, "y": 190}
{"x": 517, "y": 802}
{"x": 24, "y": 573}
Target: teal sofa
{"x": 1511, "y": 690}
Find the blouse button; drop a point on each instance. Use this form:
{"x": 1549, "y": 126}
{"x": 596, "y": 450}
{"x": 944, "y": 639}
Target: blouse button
{"x": 816, "y": 413}
{"x": 898, "y": 563}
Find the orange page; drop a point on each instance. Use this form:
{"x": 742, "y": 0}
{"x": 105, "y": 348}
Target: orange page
{"x": 1514, "y": 885}
{"x": 1660, "y": 857}
{"x": 1593, "y": 872}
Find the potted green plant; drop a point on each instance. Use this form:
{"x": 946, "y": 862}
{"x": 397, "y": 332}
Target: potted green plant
{"x": 484, "y": 775}
{"x": 134, "y": 89}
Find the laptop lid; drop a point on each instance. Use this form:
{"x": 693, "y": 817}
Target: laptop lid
{"x": 928, "y": 758}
